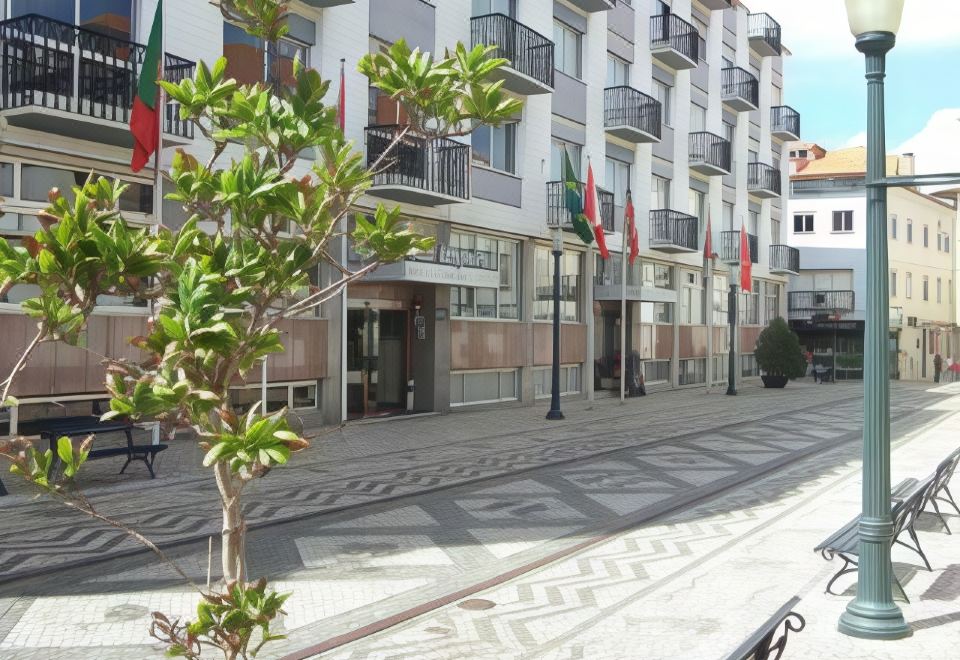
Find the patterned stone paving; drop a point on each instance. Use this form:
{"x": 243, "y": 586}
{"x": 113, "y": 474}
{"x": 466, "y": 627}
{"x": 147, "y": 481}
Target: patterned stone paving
{"x": 355, "y": 567}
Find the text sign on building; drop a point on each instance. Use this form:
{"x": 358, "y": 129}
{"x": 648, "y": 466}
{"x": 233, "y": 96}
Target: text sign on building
{"x": 420, "y": 323}
{"x": 433, "y": 273}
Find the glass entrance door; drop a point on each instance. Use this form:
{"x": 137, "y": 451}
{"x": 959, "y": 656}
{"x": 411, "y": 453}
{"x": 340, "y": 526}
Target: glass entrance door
{"x": 376, "y": 362}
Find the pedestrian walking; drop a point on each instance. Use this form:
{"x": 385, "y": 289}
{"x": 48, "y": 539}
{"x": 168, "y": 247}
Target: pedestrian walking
{"x": 937, "y": 367}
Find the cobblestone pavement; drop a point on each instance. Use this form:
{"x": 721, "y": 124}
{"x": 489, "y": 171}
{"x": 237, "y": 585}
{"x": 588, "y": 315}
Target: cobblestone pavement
{"x": 677, "y": 543}
{"x": 360, "y": 464}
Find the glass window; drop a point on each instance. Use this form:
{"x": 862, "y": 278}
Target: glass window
{"x": 803, "y": 223}
{"x": 495, "y": 146}
{"x": 60, "y": 10}
{"x": 753, "y": 222}
{"x": 909, "y": 286}
{"x": 774, "y": 232}
{"x": 509, "y": 282}
{"x": 939, "y": 290}
{"x": 926, "y": 236}
{"x": 567, "y": 49}
{"x": 484, "y": 7}
{"x": 692, "y": 371}
{"x": 728, "y": 216}
{"x": 659, "y": 192}
{"x": 280, "y": 66}
{"x": 697, "y": 205}
{"x": 662, "y": 92}
{"x": 893, "y": 226}
{"x": 909, "y": 230}
{"x": 617, "y": 179}
{"x": 926, "y": 288}
{"x": 556, "y": 158}
{"x": 893, "y": 284}
{"x": 461, "y": 301}
{"x": 474, "y": 251}
{"x": 691, "y": 298}
{"x": 570, "y": 286}
{"x": 569, "y": 380}
{"x": 6, "y": 179}
{"x": 698, "y": 118}
{"x": 245, "y": 55}
{"x": 618, "y": 71}
{"x": 36, "y": 181}
{"x": 109, "y": 17}
{"x": 657, "y": 275}
{"x": 843, "y": 221}
{"x": 720, "y": 300}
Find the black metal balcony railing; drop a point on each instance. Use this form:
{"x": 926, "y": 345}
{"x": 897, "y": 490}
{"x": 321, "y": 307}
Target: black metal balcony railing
{"x": 762, "y": 26}
{"x": 626, "y": 106}
{"x": 671, "y": 31}
{"x": 837, "y": 301}
{"x": 740, "y": 84}
{"x": 557, "y": 213}
{"x": 57, "y": 65}
{"x": 784, "y": 119}
{"x": 529, "y": 52}
{"x": 761, "y": 176}
{"x": 711, "y": 149}
{"x": 730, "y": 247}
{"x": 673, "y": 228}
{"x": 784, "y": 258}
{"x": 437, "y": 165}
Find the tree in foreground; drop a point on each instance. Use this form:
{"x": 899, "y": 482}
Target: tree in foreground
{"x": 217, "y": 297}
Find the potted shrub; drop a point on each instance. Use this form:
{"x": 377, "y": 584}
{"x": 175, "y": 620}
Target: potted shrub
{"x": 778, "y": 354}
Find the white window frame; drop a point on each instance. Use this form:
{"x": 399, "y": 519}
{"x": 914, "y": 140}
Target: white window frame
{"x": 805, "y": 230}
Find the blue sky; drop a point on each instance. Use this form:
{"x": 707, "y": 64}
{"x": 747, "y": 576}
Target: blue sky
{"x": 824, "y": 75}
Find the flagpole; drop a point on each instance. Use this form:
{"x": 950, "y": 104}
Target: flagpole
{"x": 161, "y": 117}
{"x": 627, "y": 231}
{"x": 708, "y": 300}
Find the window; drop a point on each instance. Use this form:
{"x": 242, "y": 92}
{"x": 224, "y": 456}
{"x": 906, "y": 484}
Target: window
{"x": 748, "y": 366}
{"x": 803, "y": 223}
{"x": 656, "y": 275}
{"x": 467, "y": 387}
{"x": 926, "y": 236}
{"x": 618, "y": 71}
{"x": 720, "y": 300}
{"x": 488, "y": 253}
{"x": 893, "y": 227}
{"x": 749, "y": 305}
{"x": 774, "y": 231}
{"x": 617, "y": 179}
{"x": 729, "y": 132}
{"x": 893, "y": 283}
{"x": 656, "y": 371}
{"x": 112, "y": 18}
{"x": 753, "y": 222}
{"x": 926, "y": 288}
{"x": 556, "y": 158}
{"x": 569, "y": 380}
{"x": 909, "y": 286}
{"x": 909, "y": 230}
{"x": 495, "y": 146}
{"x": 693, "y": 371}
{"x": 484, "y": 7}
{"x": 37, "y": 180}
{"x": 698, "y": 118}
{"x": 697, "y": 205}
{"x": 567, "y": 49}
{"x": 691, "y": 298}
{"x": 296, "y": 395}
{"x": 728, "y": 216}
{"x": 659, "y": 192}
{"x": 663, "y": 92}
{"x": 570, "y": 289}
{"x": 842, "y": 221}
{"x": 939, "y": 291}
{"x": 6, "y": 179}
{"x": 248, "y": 61}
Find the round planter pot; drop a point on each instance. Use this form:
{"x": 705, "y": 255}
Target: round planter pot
{"x": 774, "y": 381}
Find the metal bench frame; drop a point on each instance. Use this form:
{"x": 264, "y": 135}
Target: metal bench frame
{"x": 761, "y": 645}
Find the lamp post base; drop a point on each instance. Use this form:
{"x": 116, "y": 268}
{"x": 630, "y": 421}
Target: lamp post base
{"x": 874, "y": 623}
{"x": 554, "y": 414}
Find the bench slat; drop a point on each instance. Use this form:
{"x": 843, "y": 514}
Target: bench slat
{"x": 747, "y": 649}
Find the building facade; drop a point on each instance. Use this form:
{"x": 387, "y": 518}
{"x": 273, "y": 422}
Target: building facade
{"x": 827, "y": 299}
{"x": 679, "y": 102}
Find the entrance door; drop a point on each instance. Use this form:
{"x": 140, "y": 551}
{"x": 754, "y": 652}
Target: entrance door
{"x": 376, "y": 361}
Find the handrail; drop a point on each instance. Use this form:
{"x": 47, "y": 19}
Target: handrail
{"x": 626, "y": 106}
{"x": 529, "y": 52}
{"x": 439, "y": 165}
{"x": 737, "y": 82}
{"x": 669, "y": 227}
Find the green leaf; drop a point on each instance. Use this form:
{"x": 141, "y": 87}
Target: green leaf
{"x": 65, "y": 450}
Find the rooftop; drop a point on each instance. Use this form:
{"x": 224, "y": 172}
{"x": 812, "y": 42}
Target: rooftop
{"x": 849, "y": 162}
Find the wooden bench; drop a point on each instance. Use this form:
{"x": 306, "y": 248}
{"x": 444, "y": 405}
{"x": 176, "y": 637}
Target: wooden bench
{"x": 761, "y": 645}
{"x": 908, "y": 499}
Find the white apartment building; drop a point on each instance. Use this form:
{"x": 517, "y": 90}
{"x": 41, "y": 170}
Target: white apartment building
{"x": 827, "y": 299}
{"x": 680, "y": 102}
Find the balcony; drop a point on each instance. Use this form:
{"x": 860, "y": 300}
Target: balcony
{"x": 730, "y": 247}
{"x": 58, "y": 78}
{"x": 709, "y": 154}
{"x": 806, "y": 303}
{"x": 763, "y": 180}
{"x": 740, "y": 90}
{"x": 557, "y": 213}
{"x": 593, "y": 5}
{"x": 674, "y": 42}
{"x": 631, "y": 115}
{"x": 764, "y": 33}
{"x": 784, "y": 260}
{"x": 326, "y": 4}
{"x": 896, "y": 318}
{"x": 717, "y": 4}
{"x": 784, "y": 123}
{"x": 673, "y": 231}
{"x": 418, "y": 170}
{"x": 530, "y": 53}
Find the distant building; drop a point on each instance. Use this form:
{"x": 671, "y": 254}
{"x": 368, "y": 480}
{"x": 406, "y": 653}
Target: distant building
{"x": 827, "y": 300}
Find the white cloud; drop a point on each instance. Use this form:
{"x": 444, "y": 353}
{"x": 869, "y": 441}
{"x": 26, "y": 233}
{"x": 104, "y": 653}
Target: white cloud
{"x": 818, "y": 28}
{"x": 937, "y": 145}
{"x": 858, "y": 140}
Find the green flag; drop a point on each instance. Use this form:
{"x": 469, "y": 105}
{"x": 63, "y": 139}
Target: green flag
{"x": 573, "y": 197}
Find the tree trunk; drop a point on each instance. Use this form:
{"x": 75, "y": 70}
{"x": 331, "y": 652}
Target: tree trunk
{"x": 233, "y": 533}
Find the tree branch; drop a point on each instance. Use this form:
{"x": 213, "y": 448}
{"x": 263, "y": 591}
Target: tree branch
{"x": 21, "y": 363}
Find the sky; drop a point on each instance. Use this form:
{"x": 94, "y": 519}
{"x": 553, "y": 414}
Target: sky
{"x": 824, "y": 78}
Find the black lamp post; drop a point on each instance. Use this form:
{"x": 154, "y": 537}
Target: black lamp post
{"x": 732, "y": 316}
{"x": 554, "y": 412}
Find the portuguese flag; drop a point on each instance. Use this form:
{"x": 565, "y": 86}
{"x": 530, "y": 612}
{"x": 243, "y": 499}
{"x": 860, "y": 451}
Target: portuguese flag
{"x": 573, "y": 198}
{"x": 145, "y": 118}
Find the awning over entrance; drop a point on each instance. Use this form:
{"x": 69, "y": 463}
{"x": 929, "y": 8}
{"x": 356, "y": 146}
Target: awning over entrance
{"x": 435, "y": 273}
{"x": 644, "y": 293}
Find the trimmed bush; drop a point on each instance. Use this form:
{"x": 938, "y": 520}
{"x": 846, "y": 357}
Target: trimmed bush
{"x": 778, "y": 351}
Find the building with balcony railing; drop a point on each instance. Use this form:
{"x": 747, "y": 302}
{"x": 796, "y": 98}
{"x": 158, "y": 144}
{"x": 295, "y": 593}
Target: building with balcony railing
{"x": 827, "y": 299}
{"x": 730, "y": 247}
{"x": 468, "y": 322}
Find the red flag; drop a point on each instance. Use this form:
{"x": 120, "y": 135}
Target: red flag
{"x": 342, "y": 101}
{"x": 708, "y": 242}
{"x": 632, "y": 231}
{"x": 746, "y": 264}
{"x": 591, "y": 209}
{"x": 145, "y": 117}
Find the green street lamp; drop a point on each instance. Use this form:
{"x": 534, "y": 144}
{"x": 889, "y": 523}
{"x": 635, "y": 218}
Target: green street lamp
{"x": 873, "y": 614}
